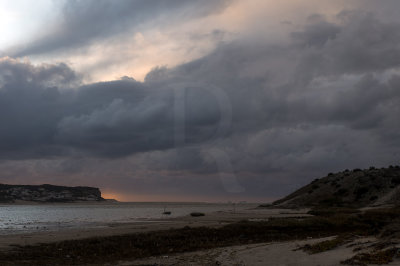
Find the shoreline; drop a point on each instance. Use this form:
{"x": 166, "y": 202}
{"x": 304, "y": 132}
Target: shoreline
{"x": 249, "y": 237}
{"x": 212, "y": 219}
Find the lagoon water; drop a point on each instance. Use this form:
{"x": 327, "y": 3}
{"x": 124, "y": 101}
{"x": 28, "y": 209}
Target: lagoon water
{"x": 15, "y": 219}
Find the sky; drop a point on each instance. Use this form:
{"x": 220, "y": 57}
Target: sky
{"x": 197, "y": 100}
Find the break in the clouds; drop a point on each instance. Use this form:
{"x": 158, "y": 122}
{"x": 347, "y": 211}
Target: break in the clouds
{"x": 252, "y": 119}
{"x": 85, "y": 22}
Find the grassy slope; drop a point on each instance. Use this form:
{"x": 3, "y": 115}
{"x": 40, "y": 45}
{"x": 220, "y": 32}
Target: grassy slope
{"x": 356, "y": 188}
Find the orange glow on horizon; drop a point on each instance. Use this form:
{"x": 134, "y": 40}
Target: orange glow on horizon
{"x": 123, "y": 197}
{"x": 110, "y": 195}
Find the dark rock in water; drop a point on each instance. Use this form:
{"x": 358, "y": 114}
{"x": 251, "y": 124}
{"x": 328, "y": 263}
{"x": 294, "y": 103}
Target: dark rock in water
{"x": 357, "y": 188}
{"x": 167, "y": 213}
{"x": 48, "y": 193}
{"x": 197, "y": 214}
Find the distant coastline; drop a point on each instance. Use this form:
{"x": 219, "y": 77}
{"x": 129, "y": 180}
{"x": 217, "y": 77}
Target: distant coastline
{"x": 36, "y": 194}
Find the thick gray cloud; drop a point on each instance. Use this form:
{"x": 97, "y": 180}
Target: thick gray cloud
{"x": 326, "y": 100}
{"x": 87, "y": 21}
{"x": 104, "y": 119}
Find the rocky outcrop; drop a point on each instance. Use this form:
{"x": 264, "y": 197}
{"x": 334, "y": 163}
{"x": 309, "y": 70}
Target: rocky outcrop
{"x": 48, "y": 193}
{"x": 355, "y": 188}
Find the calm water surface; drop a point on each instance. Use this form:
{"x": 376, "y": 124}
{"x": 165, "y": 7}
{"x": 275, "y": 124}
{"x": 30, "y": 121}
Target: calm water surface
{"x": 30, "y": 218}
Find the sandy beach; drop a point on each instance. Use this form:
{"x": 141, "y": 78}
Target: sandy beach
{"x": 218, "y": 238}
{"x": 277, "y": 254}
{"x": 214, "y": 219}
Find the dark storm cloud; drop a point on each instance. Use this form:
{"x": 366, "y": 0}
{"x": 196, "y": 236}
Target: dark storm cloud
{"x": 317, "y": 33}
{"x": 360, "y": 43}
{"x": 87, "y": 21}
{"x": 30, "y": 106}
{"x": 124, "y": 117}
{"x": 13, "y": 72}
{"x": 320, "y": 98}
{"x": 327, "y": 100}
{"x": 104, "y": 119}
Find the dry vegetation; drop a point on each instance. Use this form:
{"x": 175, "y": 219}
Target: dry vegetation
{"x": 356, "y": 188}
{"x": 377, "y": 257}
{"x": 328, "y": 244}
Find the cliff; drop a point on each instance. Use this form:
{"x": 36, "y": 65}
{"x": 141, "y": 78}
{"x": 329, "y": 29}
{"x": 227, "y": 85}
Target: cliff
{"x": 48, "y": 193}
{"x": 355, "y": 188}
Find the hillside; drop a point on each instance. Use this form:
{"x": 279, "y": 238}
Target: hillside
{"x": 48, "y": 193}
{"x": 355, "y": 188}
